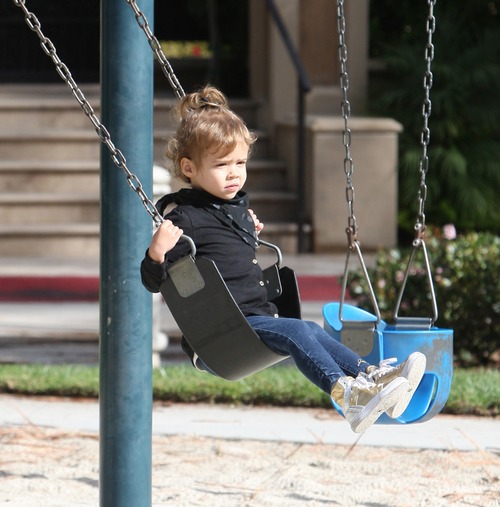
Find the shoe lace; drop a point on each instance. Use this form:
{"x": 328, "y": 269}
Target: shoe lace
{"x": 362, "y": 381}
{"x": 361, "y": 384}
{"x": 384, "y": 367}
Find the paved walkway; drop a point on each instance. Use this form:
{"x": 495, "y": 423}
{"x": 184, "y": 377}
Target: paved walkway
{"x": 261, "y": 423}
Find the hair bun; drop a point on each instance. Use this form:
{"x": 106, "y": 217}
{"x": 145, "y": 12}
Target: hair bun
{"x": 204, "y": 99}
{"x": 208, "y": 103}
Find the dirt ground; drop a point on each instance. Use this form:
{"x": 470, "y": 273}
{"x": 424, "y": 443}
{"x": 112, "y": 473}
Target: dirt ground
{"x": 41, "y": 467}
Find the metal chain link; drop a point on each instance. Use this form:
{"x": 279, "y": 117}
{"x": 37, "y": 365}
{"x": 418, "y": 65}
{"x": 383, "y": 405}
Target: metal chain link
{"x": 346, "y": 113}
{"x": 63, "y": 71}
{"x": 156, "y": 47}
{"x": 426, "y": 133}
{"x": 419, "y": 242}
{"x": 353, "y": 245}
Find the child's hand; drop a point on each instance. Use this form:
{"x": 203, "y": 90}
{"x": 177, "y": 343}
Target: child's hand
{"x": 258, "y": 224}
{"x": 164, "y": 239}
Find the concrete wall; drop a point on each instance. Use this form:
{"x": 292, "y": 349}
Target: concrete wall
{"x": 374, "y": 149}
{"x": 312, "y": 26}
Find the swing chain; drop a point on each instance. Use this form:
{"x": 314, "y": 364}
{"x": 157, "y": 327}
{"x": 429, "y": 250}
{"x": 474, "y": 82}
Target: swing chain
{"x": 352, "y": 229}
{"x": 157, "y": 50}
{"x": 420, "y": 227}
{"x": 353, "y": 245}
{"x": 116, "y": 155}
{"x": 426, "y": 134}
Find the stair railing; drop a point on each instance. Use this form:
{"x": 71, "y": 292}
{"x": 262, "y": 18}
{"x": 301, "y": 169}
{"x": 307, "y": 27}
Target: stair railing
{"x": 304, "y": 86}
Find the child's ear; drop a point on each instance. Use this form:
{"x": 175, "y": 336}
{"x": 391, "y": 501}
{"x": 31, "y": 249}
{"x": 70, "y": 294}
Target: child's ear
{"x": 187, "y": 167}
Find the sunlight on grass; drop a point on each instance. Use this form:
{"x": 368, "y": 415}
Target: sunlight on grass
{"x": 474, "y": 391}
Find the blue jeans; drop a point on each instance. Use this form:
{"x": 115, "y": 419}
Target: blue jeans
{"x": 320, "y": 358}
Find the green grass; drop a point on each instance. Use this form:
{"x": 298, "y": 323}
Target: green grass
{"x": 474, "y": 391}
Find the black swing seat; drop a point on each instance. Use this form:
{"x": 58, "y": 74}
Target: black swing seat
{"x": 212, "y": 324}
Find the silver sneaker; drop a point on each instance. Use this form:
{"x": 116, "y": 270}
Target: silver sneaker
{"x": 412, "y": 369}
{"x": 363, "y": 402}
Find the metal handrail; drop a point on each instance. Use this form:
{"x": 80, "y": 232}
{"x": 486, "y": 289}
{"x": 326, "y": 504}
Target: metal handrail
{"x": 304, "y": 86}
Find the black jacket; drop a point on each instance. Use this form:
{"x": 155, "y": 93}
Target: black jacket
{"x": 223, "y": 232}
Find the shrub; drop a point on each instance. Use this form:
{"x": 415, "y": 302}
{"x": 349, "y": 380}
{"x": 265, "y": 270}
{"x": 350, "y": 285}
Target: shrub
{"x": 464, "y": 152}
{"x": 465, "y": 272}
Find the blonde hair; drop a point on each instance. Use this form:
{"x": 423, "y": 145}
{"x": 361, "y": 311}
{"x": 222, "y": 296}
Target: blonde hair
{"x": 206, "y": 125}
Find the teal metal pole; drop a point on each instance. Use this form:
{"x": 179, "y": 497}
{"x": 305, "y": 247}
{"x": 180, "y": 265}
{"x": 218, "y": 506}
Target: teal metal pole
{"x": 126, "y": 308}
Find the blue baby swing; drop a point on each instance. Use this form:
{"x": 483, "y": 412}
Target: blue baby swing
{"x": 368, "y": 334}
{"x": 214, "y": 329}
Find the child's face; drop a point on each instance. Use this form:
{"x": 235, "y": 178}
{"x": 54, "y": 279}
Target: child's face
{"x": 220, "y": 175}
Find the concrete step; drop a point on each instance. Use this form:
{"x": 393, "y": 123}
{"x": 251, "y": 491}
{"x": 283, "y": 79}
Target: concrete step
{"x": 275, "y": 206}
{"x": 29, "y": 228}
{"x": 37, "y": 208}
{"x": 20, "y": 105}
{"x": 32, "y": 219}
{"x": 73, "y": 241}
{"x": 57, "y": 176}
{"x": 283, "y": 235}
{"x": 49, "y": 144}
{"x": 45, "y": 106}
{"x": 80, "y": 239}
{"x": 62, "y": 144}
{"x": 266, "y": 174}
{"x": 80, "y": 144}
{"x": 49, "y": 171}
{"x": 60, "y": 176}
